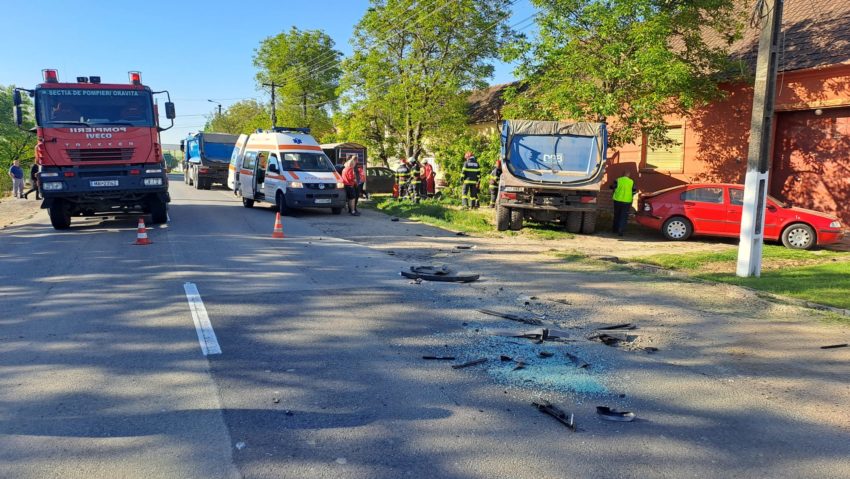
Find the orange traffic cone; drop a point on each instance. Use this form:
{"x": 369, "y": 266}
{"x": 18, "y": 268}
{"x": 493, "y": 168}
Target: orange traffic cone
{"x": 142, "y": 235}
{"x": 278, "y": 228}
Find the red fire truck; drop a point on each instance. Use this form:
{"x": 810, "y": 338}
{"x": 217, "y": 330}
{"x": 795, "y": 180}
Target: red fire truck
{"x": 98, "y": 147}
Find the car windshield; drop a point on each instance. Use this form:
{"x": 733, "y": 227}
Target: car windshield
{"x": 64, "y": 107}
{"x": 306, "y": 162}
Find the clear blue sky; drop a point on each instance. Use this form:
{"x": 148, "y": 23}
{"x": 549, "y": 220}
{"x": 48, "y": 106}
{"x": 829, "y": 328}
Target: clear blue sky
{"x": 197, "y": 50}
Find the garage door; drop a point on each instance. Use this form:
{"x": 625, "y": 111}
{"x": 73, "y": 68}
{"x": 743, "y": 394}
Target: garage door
{"x": 811, "y": 164}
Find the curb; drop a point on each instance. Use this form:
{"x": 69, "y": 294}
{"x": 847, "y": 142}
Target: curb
{"x": 657, "y": 270}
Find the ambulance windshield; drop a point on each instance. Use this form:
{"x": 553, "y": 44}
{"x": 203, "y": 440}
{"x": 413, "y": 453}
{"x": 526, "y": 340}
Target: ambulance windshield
{"x": 306, "y": 162}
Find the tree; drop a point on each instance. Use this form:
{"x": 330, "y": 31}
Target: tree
{"x": 15, "y": 143}
{"x": 631, "y": 62}
{"x": 305, "y": 66}
{"x": 366, "y": 126}
{"x": 412, "y": 64}
{"x": 241, "y": 117}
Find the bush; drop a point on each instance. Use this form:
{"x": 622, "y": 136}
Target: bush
{"x": 449, "y": 153}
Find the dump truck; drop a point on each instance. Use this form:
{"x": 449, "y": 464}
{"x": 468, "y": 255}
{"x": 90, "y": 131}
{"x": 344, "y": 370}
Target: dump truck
{"x": 98, "y": 147}
{"x": 207, "y": 158}
{"x": 551, "y": 172}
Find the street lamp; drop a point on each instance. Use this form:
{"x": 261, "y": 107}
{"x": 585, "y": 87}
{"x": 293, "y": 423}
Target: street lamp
{"x": 219, "y": 106}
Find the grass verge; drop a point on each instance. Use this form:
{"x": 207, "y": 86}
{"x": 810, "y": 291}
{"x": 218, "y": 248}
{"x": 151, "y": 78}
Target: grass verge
{"x": 773, "y": 257}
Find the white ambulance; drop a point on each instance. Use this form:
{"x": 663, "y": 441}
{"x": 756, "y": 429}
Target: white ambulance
{"x": 287, "y": 167}
{"x": 235, "y": 161}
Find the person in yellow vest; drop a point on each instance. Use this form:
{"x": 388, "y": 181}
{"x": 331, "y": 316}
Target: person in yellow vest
{"x": 624, "y": 190}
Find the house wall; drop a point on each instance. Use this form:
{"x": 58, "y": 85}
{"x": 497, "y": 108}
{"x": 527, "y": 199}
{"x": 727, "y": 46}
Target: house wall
{"x": 716, "y": 142}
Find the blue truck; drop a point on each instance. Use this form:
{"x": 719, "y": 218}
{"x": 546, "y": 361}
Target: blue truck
{"x": 206, "y": 158}
{"x": 551, "y": 171}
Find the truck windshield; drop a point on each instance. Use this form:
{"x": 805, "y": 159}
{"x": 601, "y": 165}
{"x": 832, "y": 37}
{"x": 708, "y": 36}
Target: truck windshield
{"x": 554, "y": 154}
{"x": 63, "y": 107}
{"x": 306, "y": 162}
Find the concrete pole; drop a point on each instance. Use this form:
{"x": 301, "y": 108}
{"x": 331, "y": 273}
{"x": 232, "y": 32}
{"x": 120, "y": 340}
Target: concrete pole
{"x": 761, "y": 135}
{"x": 273, "y": 86}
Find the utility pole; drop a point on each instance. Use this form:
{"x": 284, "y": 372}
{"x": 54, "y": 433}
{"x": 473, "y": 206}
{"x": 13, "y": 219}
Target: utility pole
{"x": 219, "y": 106}
{"x": 273, "y": 86}
{"x": 761, "y": 134}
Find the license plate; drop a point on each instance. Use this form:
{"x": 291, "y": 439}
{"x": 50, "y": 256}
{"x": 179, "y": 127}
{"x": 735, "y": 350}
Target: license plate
{"x": 102, "y": 183}
{"x": 323, "y": 201}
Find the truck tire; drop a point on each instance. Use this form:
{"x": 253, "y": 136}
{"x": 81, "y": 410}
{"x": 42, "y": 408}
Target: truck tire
{"x": 159, "y": 211}
{"x": 208, "y": 184}
{"x": 516, "y": 219}
{"x": 60, "y": 214}
{"x": 198, "y": 183}
{"x": 503, "y": 218}
{"x": 588, "y": 222}
{"x": 574, "y": 221}
{"x": 186, "y": 177}
{"x": 247, "y": 203}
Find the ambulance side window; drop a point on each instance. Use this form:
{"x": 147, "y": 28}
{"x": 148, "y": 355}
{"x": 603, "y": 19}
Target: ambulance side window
{"x": 250, "y": 160}
{"x": 273, "y": 161}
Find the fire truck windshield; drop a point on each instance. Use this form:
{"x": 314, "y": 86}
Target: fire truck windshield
{"x": 64, "y": 107}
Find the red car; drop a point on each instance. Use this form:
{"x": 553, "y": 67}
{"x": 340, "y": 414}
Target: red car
{"x": 715, "y": 210}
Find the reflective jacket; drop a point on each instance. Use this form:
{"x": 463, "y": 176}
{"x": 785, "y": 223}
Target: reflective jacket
{"x": 402, "y": 172}
{"x": 625, "y": 189}
{"x": 471, "y": 171}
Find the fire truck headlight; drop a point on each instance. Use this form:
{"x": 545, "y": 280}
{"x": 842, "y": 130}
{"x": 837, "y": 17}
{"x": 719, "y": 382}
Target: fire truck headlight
{"x": 153, "y": 181}
{"x": 52, "y": 186}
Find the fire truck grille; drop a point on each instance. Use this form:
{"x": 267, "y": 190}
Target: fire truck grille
{"x": 101, "y": 154}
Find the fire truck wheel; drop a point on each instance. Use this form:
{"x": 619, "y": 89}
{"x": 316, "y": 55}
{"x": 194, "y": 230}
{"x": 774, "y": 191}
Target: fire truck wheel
{"x": 503, "y": 218}
{"x": 159, "y": 211}
{"x": 60, "y": 215}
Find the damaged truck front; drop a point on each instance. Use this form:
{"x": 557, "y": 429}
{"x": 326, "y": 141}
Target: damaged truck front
{"x": 551, "y": 171}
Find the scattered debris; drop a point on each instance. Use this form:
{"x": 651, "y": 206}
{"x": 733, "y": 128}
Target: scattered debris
{"x": 834, "y": 346}
{"x": 289, "y": 413}
{"x": 612, "y": 340}
{"x": 562, "y": 301}
{"x": 470, "y": 363}
{"x": 461, "y": 233}
{"x": 624, "y": 326}
{"x": 547, "y": 408}
{"x": 415, "y": 281}
{"x": 440, "y": 358}
{"x": 538, "y": 334}
{"x": 545, "y": 354}
{"x": 341, "y": 460}
{"x": 465, "y": 246}
{"x": 577, "y": 361}
{"x": 240, "y": 445}
{"x": 609, "y": 414}
{"x": 519, "y": 365}
{"x": 438, "y": 273}
{"x": 391, "y": 253}
{"x": 512, "y": 317}
{"x": 650, "y": 349}
{"x": 276, "y": 400}
{"x": 505, "y": 358}
{"x": 393, "y": 219}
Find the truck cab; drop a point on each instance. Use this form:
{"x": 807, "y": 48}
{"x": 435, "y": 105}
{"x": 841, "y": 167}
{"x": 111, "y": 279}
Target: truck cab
{"x": 207, "y": 158}
{"x": 551, "y": 171}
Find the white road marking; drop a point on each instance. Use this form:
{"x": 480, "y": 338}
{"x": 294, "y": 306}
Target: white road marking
{"x": 206, "y": 335}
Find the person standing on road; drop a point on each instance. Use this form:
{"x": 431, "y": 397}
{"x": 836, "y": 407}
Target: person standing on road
{"x": 360, "y": 177}
{"x": 34, "y": 179}
{"x": 17, "y": 175}
{"x": 495, "y": 175}
{"x": 471, "y": 174}
{"x": 415, "y": 179}
{"x": 349, "y": 179}
{"x": 428, "y": 179}
{"x": 624, "y": 190}
{"x": 402, "y": 175}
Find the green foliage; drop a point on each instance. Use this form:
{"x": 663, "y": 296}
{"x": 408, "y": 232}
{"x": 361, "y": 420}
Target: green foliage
{"x": 15, "y": 143}
{"x": 365, "y": 127}
{"x": 437, "y": 213}
{"x": 631, "y": 62}
{"x": 449, "y": 148}
{"x": 306, "y": 66}
{"x": 242, "y": 117}
{"x": 411, "y": 65}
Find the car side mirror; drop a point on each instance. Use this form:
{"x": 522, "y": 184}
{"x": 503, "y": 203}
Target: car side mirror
{"x": 169, "y": 110}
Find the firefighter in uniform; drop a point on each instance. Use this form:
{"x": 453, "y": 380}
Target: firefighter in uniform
{"x": 402, "y": 175}
{"x": 415, "y": 179}
{"x": 471, "y": 173}
{"x": 495, "y": 174}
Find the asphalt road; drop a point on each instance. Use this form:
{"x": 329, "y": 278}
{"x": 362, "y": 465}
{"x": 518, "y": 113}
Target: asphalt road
{"x": 320, "y": 372}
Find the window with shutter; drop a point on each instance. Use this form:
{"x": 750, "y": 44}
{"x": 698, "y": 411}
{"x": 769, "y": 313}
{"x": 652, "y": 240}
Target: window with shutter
{"x": 670, "y": 158}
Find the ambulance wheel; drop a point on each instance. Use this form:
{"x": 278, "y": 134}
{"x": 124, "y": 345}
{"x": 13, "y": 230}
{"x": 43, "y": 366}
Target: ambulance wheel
{"x": 336, "y": 211}
{"x": 280, "y": 201}
{"x": 60, "y": 214}
{"x": 516, "y": 219}
{"x": 159, "y": 212}
{"x": 247, "y": 203}
{"x": 503, "y": 218}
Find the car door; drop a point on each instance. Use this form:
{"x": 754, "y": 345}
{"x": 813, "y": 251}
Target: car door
{"x": 272, "y": 177}
{"x": 734, "y": 212}
{"x": 246, "y": 174}
{"x": 705, "y": 206}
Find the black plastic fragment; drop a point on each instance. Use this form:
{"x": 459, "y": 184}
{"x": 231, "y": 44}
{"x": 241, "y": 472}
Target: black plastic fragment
{"x": 470, "y": 363}
{"x": 609, "y": 414}
{"x": 547, "y": 408}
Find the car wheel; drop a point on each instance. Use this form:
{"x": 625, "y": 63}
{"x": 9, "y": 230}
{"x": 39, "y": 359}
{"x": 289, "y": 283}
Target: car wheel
{"x": 799, "y": 236}
{"x": 588, "y": 223}
{"x": 516, "y": 219}
{"x": 503, "y": 218}
{"x": 677, "y": 228}
{"x": 247, "y": 203}
{"x": 336, "y": 211}
{"x": 574, "y": 221}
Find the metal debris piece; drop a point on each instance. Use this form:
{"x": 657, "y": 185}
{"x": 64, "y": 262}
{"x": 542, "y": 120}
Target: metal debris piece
{"x": 470, "y": 363}
{"x": 545, "y": 354}
{"x": 609, "y": 414}
{"x": 393, "y": 219}
{"x": 439, "y": 273}
{"x": 276, "y": 400}
{"x": 505, "y": 358}
{"x": 562, "y": 301}
{"x": 519, "y": 365}
{"x": 415, "y": 281}
{"x": 650, "y": 349}
{"x": 440, "y": 358}
{"x": 577, "y": 361}
{"x": 512, "y": 317}
{"x": 464, "y": 246}
{"x": 610, "y": 340}
{"x": 625, "y": 326}
{"x": 547, "y": 408}
{"x": 834, "y": 346}
{"x": 461, "y": 233}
